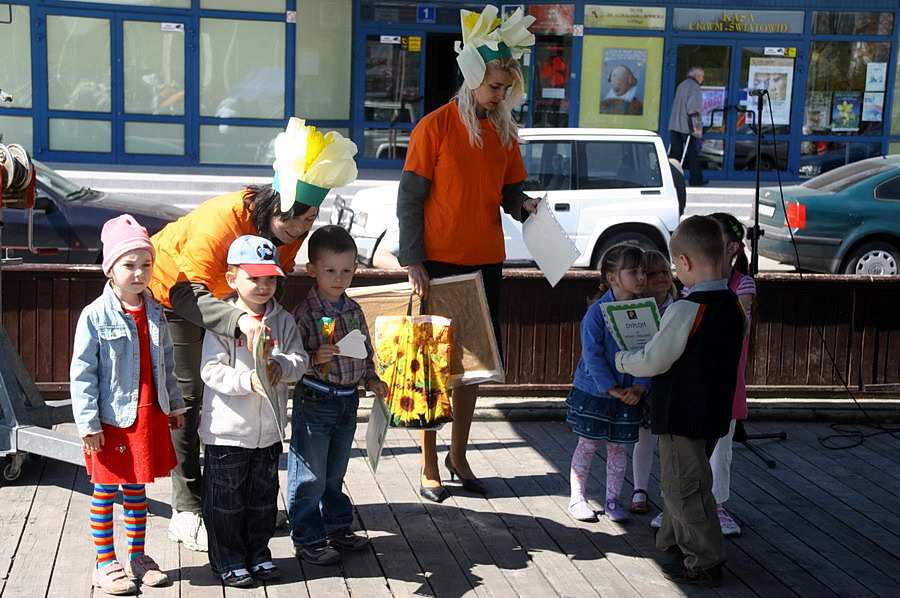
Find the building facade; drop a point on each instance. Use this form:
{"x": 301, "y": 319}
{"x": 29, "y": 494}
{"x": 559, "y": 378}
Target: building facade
{"x": 211, "y": 82}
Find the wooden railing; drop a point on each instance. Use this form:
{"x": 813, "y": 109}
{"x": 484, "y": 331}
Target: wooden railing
{"x": 811, "y": 334}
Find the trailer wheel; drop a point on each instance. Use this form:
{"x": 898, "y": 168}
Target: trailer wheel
{"x": 11, "y": 473}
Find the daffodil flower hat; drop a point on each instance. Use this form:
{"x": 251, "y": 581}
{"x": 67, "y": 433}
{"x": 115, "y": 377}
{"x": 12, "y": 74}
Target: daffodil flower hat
{"x": 309, "y": 163}
{"x": 484, "y": 38}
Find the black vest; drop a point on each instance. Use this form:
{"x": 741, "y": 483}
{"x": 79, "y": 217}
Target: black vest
{"x": 694, "y": 397}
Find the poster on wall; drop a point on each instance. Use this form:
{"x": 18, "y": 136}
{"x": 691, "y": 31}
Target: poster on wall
{"x": 818, "y": 111}
{"x": 622, "y": 85}
{"x": 876, "y": 74}
{"x": 845, "y": 111}
{"x": 621, "y": 78}
{"x": 712, "y": 110}
{"x": 873, "y": 106}
{"x": 775, "y": 75}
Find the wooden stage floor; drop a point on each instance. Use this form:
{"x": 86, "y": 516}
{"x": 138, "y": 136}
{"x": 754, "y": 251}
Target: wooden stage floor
{"x": 822, "y": 523}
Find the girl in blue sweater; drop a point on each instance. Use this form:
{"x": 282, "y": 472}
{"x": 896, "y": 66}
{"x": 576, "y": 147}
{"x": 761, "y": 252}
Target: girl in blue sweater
{"x": 603, "y": 403}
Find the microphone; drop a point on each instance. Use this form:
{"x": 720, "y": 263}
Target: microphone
{"x": 753, "y": 93}
{"x": 5, "y": 97}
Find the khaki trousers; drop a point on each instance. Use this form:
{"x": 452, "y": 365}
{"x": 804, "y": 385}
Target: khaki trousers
{"x": 691, "y": 522}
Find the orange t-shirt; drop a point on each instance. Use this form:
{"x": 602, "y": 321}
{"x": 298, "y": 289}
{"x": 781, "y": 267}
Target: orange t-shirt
{"x": 462, "y": 211}
{"x": 195, "y": 247}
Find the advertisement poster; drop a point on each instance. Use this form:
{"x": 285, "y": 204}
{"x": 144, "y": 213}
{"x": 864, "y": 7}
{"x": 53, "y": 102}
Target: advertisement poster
{"x": 873, "y": 107}
{"x": 876, "y": 74}
{"x": 818, "y": 111}
{"x": 776, "y": 76}
{"x": 622, "y": 86}
{"x": 713, "y": 100}
{"x": 846, "y": 111}
{"x": 552, "y": 19}
{"x": 601, "y": 55}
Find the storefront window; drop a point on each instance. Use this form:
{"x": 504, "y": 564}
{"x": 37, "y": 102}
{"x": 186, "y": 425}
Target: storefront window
{"x": 15, "y": 68}
{"x": 153, "y": 3}
{"x": 324, "y": 59}
{"x": 552, "y": 70}
{"x": 853, "y": 23}
{"x": 845, "y": 88}
{"x": 164, "y": 139}
{"x": 154, "y": 68}
{"x": 255, "y": 6}
{"x": 17, "y": 129}
{"x": 392, "y": 78}
{"x": 78, "y": 64}
{"x": 230, "y": 144}
{"x": 242, "y": 69}
{"x": 80, "y": 135}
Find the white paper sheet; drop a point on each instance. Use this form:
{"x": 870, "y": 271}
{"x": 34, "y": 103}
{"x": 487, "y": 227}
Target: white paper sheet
{"x": 353, "y": 345}
{"x": 548, "y": 243}
{"x": 376, "y": 431}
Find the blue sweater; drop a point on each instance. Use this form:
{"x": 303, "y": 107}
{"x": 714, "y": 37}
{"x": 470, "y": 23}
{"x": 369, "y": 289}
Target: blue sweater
{"x": 596, "y": 372}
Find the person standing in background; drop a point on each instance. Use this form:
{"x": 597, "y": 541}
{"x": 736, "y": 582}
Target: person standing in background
{"x": 685, "y": 124}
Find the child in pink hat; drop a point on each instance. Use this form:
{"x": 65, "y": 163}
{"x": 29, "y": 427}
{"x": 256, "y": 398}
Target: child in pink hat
{"x": 125, "y": 398}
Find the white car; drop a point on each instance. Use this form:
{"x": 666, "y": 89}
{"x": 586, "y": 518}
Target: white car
{"x": 605, "y": 186}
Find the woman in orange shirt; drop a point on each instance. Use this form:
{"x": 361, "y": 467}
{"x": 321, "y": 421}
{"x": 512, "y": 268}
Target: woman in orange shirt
{"x": 463, "y": 164}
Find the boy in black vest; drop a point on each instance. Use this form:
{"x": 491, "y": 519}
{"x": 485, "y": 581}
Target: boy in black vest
{"x": 693, "y": 360}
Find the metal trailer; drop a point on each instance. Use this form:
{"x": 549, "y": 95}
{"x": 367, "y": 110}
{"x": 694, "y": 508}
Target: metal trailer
{"x": 26, "y": 421}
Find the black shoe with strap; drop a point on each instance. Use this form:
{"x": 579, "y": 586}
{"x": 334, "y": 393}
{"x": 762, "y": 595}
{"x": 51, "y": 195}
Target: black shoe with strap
{"x": 472, "y": 485}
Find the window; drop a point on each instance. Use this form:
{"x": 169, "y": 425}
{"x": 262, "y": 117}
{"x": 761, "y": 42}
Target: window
{"x": 889, "y": 190}
{"x": 615, "y": 164}
{"x": 549, "y": 165}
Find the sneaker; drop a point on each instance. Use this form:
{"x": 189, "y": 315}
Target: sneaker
{"x": 657, "y": 521}
{"x": 239, "y": 578}
{"x": 112, "y": 579}
{"x": 581, "y": 511}
{"x": 188, "y": 528}
{"x": 728, "y": 525}
{"x": 317, "y": 556}
{"x": 615, "y": 511}
{"x": 344, "y": 539}
{"x": 265, "y": 571}
{"x": 145, "y": 569}
{"x": 677, "y": 572}
{"x": 281, "y": 520}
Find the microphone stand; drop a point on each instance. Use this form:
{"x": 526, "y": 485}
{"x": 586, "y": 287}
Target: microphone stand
{"x": 753, "y": 234}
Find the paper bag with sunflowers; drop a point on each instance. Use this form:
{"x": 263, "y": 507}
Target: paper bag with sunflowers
{"x": 412, "y": 356}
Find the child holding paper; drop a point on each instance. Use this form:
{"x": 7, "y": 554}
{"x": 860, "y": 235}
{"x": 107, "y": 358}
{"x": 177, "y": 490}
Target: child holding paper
{"x": 238, "y": 426}
{"x": 325, "y": 402}
{"x": 604, "y": 404}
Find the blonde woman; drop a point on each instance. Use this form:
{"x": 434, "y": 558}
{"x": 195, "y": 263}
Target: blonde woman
{"x": 462, "y": 166}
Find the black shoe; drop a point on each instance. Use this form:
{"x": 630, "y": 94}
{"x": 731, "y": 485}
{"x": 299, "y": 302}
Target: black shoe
{"x": 437, "y": 494}
{"x": 472, "y": 485}
{"x": 677, "y": 572}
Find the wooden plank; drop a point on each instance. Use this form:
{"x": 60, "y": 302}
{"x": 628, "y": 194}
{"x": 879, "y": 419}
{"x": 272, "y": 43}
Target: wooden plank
{"x": 75, "y": 559}
{"x": 38, "y": 545}
{"x": 797, "y": 530}
{"x": 16, "y": 499}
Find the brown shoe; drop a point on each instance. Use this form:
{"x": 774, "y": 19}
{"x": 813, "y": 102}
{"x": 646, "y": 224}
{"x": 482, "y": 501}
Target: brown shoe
{"x": 112, "y": 579}
{"x": 145, "y": 569}
{"x": 639, "y": 503}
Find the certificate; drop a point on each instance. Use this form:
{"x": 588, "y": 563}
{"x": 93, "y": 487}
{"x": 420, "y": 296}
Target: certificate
{"x": 632, "y": 323}
{"x": 376, "y": 431}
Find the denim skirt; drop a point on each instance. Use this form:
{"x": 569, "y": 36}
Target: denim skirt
{"x": 603, "y": 418}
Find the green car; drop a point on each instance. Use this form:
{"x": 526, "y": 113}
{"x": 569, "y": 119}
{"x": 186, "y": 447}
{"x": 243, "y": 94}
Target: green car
{"x": 846, "y": 220}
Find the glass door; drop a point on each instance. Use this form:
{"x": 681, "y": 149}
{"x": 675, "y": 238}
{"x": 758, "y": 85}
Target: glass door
{"x": 731, "y": 112}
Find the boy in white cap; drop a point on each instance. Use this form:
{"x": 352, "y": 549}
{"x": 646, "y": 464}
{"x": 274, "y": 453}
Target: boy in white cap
{"x": 242, "y": 425}
{"x": 125, "y": 398}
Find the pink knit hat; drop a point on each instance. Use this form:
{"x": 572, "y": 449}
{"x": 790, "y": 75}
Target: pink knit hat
{"x": 122, "y": 235}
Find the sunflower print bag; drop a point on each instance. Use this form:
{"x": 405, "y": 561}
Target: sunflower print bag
{"x": 412, "y": 356}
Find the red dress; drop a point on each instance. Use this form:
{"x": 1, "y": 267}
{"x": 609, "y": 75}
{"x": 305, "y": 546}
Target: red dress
{"x": 143, "y": 451}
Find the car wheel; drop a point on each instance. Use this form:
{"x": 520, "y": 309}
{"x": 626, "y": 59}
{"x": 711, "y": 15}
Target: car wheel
{"x": 873, "y": 259}
{"x": 626, "y": 237}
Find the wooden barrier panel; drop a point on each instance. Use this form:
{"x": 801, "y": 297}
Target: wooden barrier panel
{"x": 811, "y": 334}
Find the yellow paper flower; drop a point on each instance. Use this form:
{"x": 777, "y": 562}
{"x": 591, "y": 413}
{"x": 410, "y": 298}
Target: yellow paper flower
{"x": 309, "y": 163}
{"x": 484, "y": 38}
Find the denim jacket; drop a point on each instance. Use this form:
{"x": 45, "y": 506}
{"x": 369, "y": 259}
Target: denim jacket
{"x": 105, "y": 371}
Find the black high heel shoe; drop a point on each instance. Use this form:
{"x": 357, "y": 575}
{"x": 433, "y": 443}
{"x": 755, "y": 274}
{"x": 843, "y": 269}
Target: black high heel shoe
{"x": 437, "y": 494}
{"x": 472, "y": 485}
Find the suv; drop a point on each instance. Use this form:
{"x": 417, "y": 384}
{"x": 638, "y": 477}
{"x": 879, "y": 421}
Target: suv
{"x": 605, "y": 186}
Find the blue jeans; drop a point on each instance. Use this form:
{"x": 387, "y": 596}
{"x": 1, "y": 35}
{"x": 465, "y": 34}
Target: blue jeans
{"x": 322, "y": 428}
{"x": 240, "y": 496}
